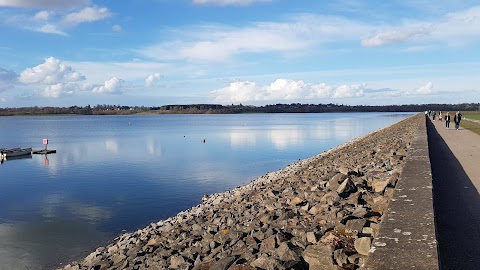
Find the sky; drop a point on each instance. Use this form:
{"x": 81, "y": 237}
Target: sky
{"x": 250, "y": 52}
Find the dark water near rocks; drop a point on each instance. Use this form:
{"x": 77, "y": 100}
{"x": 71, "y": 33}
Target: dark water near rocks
{"x": 114, "y": 173}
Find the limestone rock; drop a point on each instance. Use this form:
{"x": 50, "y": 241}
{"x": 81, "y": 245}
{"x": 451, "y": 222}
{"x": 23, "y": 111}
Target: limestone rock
{"x": 318, "y": 256}
{"x": 379, "y": 185}
{"x": 266, "y": 263}
{"x": 346, "y": 188}
{"x": 223, "y": 264}
{"x": 362, "y": 245}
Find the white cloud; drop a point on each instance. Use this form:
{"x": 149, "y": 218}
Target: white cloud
{"x": 50, "y": 29}
{"x": 151, "y": 79}
{"x": 228, "y": 2}
{"x": 395, "y": 36}
{"x": 8, "y": 79}
{"x": 283, "y": 89}
{"x": 57, "y": 90}
{"x": 112, "y": 86}
{"x": 349, "y": 91}
{"x": 51, "y": 4}
{"x": 425, "y": 90}
{"x": 3, "y": 100}
{"x": 42, "y": 15}
{"x": 53, "y": 71}
{"x": 88, "y": 14}
{"x": 59, "y": 79}
{"x": 454, "y": 28}
{"x": 117, "y": 28}
{"x": 60, "y": 90}
{"x": 459, "y": 27}
{"x": 57, "y": 22}
{"x": 216, "y": 43}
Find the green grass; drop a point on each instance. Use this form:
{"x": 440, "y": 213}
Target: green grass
{"x": 472, "y": 126}
{"x": 472, "y": 115}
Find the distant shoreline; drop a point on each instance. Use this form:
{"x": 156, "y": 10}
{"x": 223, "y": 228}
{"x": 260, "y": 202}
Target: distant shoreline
{"x": 229, "y": 109}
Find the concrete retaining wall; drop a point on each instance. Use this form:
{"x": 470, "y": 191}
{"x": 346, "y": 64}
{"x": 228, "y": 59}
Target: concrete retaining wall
{"x": 407, "y": 235}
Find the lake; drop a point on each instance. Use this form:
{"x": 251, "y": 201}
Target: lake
{"x": 117, "y": 173}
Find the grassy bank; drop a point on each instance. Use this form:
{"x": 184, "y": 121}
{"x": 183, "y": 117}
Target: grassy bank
{"x": 470, "y": 125}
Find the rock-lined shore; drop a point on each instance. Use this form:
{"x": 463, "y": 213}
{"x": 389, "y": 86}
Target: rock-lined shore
{"x": 319, "y": 213}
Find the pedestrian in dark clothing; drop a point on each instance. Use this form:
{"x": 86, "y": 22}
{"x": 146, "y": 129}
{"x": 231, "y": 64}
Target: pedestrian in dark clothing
{"x": 447, "y": 120}
{"x": 457, "y": 118}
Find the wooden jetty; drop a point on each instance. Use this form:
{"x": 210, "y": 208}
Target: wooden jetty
{"x": 44, "y": 151}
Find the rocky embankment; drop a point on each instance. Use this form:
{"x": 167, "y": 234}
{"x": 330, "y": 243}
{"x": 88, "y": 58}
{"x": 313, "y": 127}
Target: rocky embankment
{"x": 319, "y": 213}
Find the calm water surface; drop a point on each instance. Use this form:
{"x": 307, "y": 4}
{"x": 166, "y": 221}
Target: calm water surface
{"x": 114, "y": 173}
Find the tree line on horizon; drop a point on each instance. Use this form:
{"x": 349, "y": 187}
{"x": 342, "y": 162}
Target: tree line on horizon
{"x": 232, "y": 109}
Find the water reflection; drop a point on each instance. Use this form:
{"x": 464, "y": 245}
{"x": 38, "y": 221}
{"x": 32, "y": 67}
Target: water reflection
{"x": 64, "y": 231}
{"x": 284, "y": 138}
{"x": 111, "y": 146}
{"x": 60, "y": 206}
{"x": 45, "y": 245}
{"x": 241, "y": 139}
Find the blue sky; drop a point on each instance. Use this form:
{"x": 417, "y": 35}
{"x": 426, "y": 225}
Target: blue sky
{"x": 157, "y": 52}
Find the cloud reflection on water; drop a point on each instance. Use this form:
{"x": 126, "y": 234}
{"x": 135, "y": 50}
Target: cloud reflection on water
{"x": 240, "y": 139}
{"x": 64, "y": 231}
{"x": 37, "y": 245}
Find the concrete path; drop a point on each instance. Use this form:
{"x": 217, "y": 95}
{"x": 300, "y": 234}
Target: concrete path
{"x": 455, "y": 161}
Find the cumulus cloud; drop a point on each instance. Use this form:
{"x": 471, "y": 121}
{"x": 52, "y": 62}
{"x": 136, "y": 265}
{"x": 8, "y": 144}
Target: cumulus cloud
{"x": 284, "y": 89}
{"x": 349, "y": 91}
{"x": 228, "y": 2}
{"x": 424, "y": 90}
{"x": 53, "y": 71}
{"x": 50, "y": 4}
{"x": 65, "y": 89}
{"x": 151, "y": 79}
{"x": 59, "y": 79}
{"x": 8, "y": 79}
{"x": 112, "y": 86}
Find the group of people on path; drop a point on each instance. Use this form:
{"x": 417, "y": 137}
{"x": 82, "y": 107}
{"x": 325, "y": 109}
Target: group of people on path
{"x": 456, "y": 118}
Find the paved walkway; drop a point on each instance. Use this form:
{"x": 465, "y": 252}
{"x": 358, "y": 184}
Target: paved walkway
{"x": 455, "y": 159}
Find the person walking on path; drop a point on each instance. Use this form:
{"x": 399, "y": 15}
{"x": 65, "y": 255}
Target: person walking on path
{"x": 447, "y": 120}
{"x": 457, "y": 118}
{"x": 433, "y": 115}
